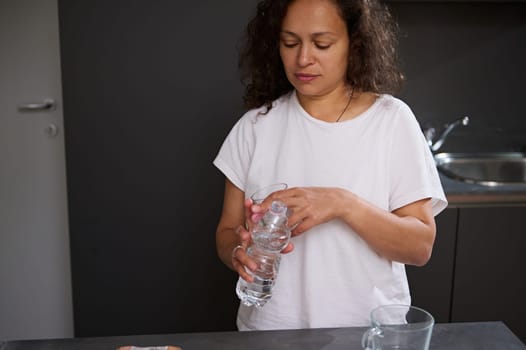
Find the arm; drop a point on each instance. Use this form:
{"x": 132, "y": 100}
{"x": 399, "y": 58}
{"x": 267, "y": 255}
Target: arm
{"x": 405, "y": 235}
{"x": 230, "y": 230}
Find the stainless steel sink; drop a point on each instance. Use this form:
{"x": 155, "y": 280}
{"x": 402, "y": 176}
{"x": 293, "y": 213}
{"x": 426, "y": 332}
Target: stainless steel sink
{"x": 489, "y": 169}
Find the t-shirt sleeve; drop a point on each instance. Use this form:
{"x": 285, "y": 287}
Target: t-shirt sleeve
{"x": 235, "y": 155}
{"x": 414, "y": 175}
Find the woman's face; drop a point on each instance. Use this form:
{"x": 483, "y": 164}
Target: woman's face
{"x": 314, "y": 47}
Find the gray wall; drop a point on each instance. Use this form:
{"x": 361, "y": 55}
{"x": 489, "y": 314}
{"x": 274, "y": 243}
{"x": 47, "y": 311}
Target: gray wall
{"x": 150, "y": 91}
{"x": 467, "y": 59}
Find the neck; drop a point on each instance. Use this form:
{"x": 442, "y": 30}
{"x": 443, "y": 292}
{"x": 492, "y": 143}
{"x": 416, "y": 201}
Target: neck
{"x": 327, "y": 107}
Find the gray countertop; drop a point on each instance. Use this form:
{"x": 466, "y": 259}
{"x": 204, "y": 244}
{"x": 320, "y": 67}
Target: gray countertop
{"x": 450, "y": 336}
{"x": 461, "y": 193}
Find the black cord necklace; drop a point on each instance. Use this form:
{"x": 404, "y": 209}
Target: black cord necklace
{"x": 346, "y": 106}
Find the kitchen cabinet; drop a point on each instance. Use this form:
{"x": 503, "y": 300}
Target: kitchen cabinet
{"x": 431, "y": 285}
{"x": 476, "y": 270}
{"x": 489, "y": 278}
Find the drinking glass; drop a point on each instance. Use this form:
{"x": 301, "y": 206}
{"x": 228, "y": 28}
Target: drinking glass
{"x": 399, "y": 327}
{"x": 262, "y": 193}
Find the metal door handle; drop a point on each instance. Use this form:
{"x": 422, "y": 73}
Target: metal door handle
{"x": 46, "y": 105}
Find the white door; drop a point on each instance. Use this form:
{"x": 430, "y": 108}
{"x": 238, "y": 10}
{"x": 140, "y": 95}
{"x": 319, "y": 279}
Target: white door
{"x": 35, "y": 281}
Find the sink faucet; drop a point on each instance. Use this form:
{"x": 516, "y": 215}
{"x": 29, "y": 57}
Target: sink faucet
{"x": 429, "y": 133}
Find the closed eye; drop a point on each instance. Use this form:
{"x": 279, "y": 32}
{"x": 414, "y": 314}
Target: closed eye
{"x": 289, "y": 44}
{"x": 322, "y": 46}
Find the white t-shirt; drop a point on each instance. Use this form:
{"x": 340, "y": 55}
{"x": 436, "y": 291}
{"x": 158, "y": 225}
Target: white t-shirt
{"x": 332, "y": 278}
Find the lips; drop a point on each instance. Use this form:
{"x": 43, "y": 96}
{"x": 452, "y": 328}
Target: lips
{"x": 305, "y": 77}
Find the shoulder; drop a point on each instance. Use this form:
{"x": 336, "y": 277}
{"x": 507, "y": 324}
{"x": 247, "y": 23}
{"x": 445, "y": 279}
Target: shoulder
{"x": 393, "y": 119}
{"x": 262, "y": 115}
{"x": 394, "y": 105}
{"x": 259, "y": 121}
{"x": 394, "y": 111}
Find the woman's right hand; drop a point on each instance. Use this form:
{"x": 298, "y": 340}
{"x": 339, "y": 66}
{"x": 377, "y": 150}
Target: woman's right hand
{"x": 241, "y": 261}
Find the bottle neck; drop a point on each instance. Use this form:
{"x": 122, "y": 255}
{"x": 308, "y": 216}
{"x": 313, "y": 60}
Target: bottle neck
{"x": 276, "y": 215}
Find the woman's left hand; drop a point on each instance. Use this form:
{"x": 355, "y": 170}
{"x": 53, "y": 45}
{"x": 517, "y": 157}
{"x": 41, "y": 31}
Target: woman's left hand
{"x": 310, "y": 206}
{"x": 405, "y": 235}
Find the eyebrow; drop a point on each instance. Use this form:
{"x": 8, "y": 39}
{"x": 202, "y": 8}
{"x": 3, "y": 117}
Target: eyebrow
{"x": 317, "y": 34}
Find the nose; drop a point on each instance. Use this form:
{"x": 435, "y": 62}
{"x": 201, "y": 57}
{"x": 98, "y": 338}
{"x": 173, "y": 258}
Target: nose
{"x": 305, "y": 56}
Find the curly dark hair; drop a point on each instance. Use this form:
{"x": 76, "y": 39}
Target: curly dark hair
{"x": 373, "y": 60}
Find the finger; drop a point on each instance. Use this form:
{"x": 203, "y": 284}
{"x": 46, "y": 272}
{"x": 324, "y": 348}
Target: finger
{"x": 259, "y": 208}
{"x": 249, "y": 222}
{"x": 284, "y": 196}
{"x": 293, "y": 226}
{"x": 247, "y": 277}
{"x": 247, "y": 204}
{"x": 243, "y": 258}
{"x": 244, "y": 236}
{"x": 256, "y": 217}
{"x": 303, "y": 226}
{"x": 263, "y": 206}
{"x": 288, "y": 248}
{"x": 241, "y": 261}
{"x": 242, "y": 272}
{"x": 297, "y": 217}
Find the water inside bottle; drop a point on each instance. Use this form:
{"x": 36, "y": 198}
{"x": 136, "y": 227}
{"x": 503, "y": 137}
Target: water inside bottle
{"x": 272, "y": 241}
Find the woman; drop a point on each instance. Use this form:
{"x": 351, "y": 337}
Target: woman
{"x": 363, "y": 187}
